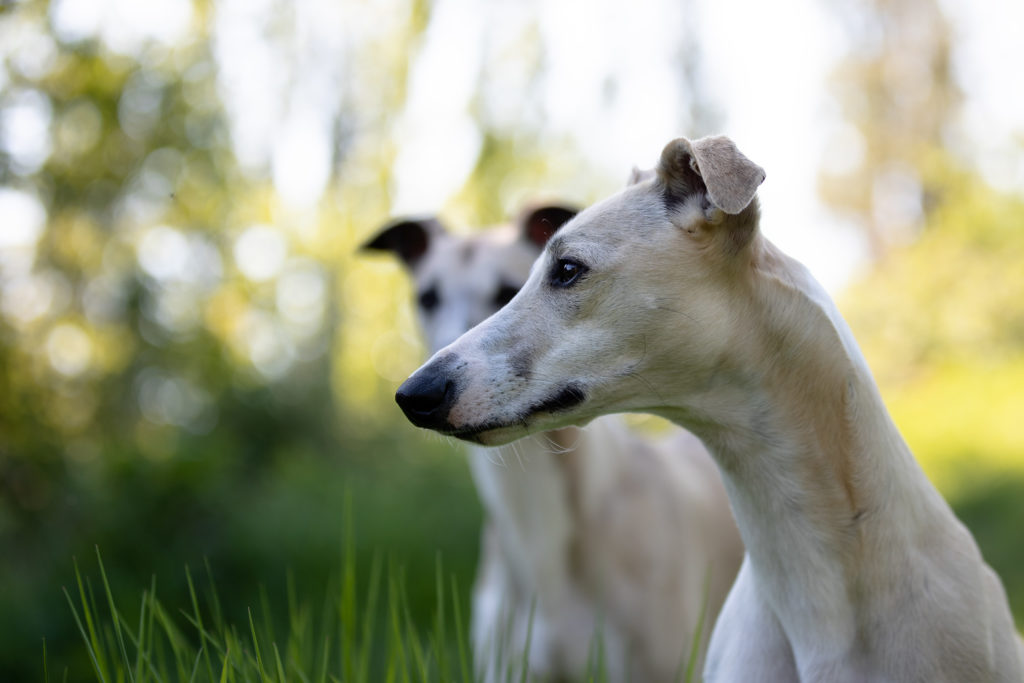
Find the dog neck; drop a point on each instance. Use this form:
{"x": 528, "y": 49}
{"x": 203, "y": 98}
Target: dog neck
{"x": 527, "y": 490}
{"x": 822, "y": 485}
{"x": 537, "y": 492}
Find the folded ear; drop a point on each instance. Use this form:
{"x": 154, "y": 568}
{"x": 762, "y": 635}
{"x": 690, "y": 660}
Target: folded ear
{"x": 408, "y": 239}
{"x": 730, "y": 178}
{"x": 540, "y": 223}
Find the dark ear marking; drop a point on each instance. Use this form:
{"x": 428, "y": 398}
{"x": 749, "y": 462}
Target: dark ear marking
{"x": 539, "y": 224}
{"x": 408, "y": 239}
{"x": 678, "y": 174}
{"x": 717, "y": 165}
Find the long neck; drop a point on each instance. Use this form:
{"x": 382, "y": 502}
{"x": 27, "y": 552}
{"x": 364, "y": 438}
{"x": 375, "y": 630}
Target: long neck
{"x": 818, "y": 476}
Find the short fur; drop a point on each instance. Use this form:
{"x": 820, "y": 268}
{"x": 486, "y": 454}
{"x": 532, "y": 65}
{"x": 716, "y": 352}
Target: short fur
{"x": 856, "y": 568}
{"x": 599, "y": 526}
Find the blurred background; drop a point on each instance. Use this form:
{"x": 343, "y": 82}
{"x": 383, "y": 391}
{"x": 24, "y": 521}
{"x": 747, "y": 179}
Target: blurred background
{"x": 196, "y": 363}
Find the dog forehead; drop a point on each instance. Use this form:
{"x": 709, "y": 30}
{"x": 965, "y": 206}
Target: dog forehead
{"x": 476, "y": 259}
{"x": 632, "y": 215}
{"x": 502, "y": 251}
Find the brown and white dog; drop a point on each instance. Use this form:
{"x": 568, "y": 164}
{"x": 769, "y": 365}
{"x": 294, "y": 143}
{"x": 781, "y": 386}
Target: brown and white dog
{"x": 666, "y": 298}
{"x": 602, "y": 529}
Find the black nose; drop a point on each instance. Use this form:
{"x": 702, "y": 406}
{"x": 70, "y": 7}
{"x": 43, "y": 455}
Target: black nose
{"x": 427, "y": 397}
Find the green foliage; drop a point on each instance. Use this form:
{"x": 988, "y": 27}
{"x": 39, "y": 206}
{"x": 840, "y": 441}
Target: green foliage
{"x": 160, "y": 403}
{"x": 955, "y": 295}
{"x": 992, "y": 510}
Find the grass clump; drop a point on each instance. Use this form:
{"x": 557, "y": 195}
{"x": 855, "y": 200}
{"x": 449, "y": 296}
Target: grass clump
{"x": 342, "y": 638}
{"x": 351, "y": 636}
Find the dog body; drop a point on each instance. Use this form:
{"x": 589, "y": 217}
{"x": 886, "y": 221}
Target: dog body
{"x": 601, "y": 534}
{"x": 666, "y": 298}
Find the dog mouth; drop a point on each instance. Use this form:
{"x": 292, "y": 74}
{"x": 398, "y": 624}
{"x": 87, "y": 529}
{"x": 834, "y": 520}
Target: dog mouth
{"x": 491, "y": 434}
{"x": 567, "y": 398}
{"x": 497, "y": 432}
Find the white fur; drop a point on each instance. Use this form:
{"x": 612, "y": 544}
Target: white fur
{"x": 857, "y": 569}
{"x": 613, "y": 532}
{"x": 596, "y": 529}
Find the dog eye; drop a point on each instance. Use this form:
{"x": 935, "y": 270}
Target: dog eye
{"x": 429, "y": 299}
{"x": 566, "y": 272}
{"x": 505, "y": 294}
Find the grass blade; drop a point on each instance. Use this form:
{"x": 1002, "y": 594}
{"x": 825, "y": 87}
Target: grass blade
{"x": 88, "y": 643}
{"x": 419, "y": 656}
{"x": 277, "y": 662}
{"x": 256, "y": 648}
{"x": 224, "y": 668}
{"x": 141, "y": 647}
{"x": 440, "y": 637}
{"x": 92, "y": 641}
{"x": 195, "y": 665}
{"x": 397, "y": 652}
{"x": 698, "y": 631}
{"x": 325, "y": 659}
{"x": 214, "y": 600}
{"x": 143, "y": 657}
{"x": 199, "y": 621}
{"x": 347, "y": 606}
{"x": 460, "y": 634}
{"x": 115, "y": 617}
{"x": 369, "y": 618}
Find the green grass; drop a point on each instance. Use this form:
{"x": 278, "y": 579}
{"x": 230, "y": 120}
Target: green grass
{"x": 349, "y": 635}
{"x": 357, "y": 629}
{"x": 341, "y": 637}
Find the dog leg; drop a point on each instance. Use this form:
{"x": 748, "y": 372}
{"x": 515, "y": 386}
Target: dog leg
{"x": 748, "y": 643}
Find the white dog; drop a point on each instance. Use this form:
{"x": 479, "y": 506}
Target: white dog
{"x": 600, "y": 528}
{"x": 666, "y": 298}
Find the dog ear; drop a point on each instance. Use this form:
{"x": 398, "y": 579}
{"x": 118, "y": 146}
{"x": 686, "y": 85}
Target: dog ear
{"x": 408, "y": 239}
{"x": 540, "y": 223}
{"x": 637, "y": 176}
{"x": 730, "y": 178}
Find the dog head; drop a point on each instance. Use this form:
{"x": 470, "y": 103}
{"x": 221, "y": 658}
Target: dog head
{"x": 462, "y": 280}
{"x": 631, "y": 307}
